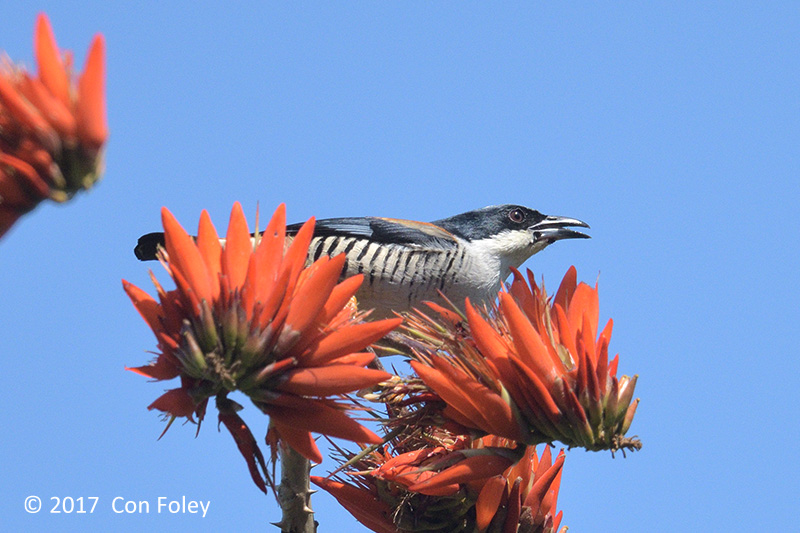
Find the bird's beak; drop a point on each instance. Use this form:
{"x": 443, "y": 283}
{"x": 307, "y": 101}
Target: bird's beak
{"x": 553, "y": 229}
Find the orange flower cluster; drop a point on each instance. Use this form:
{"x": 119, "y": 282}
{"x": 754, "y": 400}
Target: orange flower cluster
{"x": 459, "y": 485}
{"x": 533, "y": 370}
{"x": 52, "y": 127}
{"x": 248, "y": 316}
{"x": 527, "y": 493}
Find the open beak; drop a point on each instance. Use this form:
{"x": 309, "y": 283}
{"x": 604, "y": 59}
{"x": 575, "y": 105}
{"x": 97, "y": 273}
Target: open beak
{"x": 553, "y": 229}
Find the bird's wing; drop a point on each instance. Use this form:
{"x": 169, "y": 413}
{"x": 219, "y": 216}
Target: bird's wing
{"x": 383, "y": 230}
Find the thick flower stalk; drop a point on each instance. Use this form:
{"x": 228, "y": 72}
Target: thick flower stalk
{"x": 456, "y": 485}
{"x": 250, "y": 317}
{"x": 52, "y": 126}
{"x": 531, "y": 370}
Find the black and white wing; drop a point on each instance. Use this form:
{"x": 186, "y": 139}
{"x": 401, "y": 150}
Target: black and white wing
{"x": 382, "y": 231}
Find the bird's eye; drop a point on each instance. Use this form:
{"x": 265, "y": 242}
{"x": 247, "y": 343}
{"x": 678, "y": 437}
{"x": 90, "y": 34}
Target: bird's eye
{"x": 516, "y": 215}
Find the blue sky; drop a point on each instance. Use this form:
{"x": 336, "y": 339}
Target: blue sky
{"x": 673, "y": 129}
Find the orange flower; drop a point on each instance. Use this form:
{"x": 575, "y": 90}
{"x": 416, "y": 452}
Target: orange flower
{"x": 251, "y": 318}
{"x": 459, "y": 484}
{"x": 52, "y": 127}
{"x": 364, "y": 504}
{"x": 531, "y": 371}
{"x": 377, "y": 492}
{"x": 525, "y": 495}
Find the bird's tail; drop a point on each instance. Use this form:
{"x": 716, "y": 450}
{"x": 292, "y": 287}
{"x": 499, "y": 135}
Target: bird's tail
{"x": 147, "y": 246}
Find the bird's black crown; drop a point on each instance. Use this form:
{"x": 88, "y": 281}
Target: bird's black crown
{"x": 489, "y": 221}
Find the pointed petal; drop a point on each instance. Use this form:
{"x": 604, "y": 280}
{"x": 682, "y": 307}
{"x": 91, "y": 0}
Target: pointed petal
{"x": 188, "y": 297}
{"x": 293, "y": 261}
{"x": 411, "y": 474}
{"x": 628, "y": 419}
{"x": 355, "y": 359}
{"x": 584, "y": 303}
{"x": 210, "y": 250}
{"x": 312, "y": 294}
{"x": 362, "y": 504}
{"x": 524, "y": 297}
{"x": 300, "y": 440}
{"x": 489, "y": 500}
{"x": 470, "y": 469}
{"x": 51, "y": 67}
{"x": 404, "y": 462}
{"x": 591, "y": 360}
{"x": 567, "y": 288}
{"x": 448, "y": 314}
{"x": 247, "y": 447}
{"x": 27, "y": 116}
{"x": 295, "y": 257}
{"x": 513, "y": 509}
{"x": 475, "y": 401}
{"x": 486, "y": 337}
{"x": 602, "y": 366}
{"x": 550, "y": 501}
{"x": 464, "y": 424}
{"x": 566, "y": 331}
{"x": 250, "y": 288}
{"x": 319, "y": 417}
{"x": 238, "y": 247}
{"x": 176, "y": 402}
{"x": 521, "y": 468}
{"x": 185, "y": 257}
{"x": 545, "y": 462}
{"x": 539, "y": 392}
{"x": 543, "y": 483}
{"x": 491, "y": 345}
{"x": 578, "y": 421}
{"x": 626, "y": 389}
{"x": 453, "y": 394}
{"x": 340, "y": 296}
{"x": 582, "y": 364}
{"x": 528, "y": 342}
{"x": 330, "y": 380}
{"x": 602, "y": 356}
{"x": 605, "y": 334}
{"x": 276, "y": 293}
{"x": 145, "y": 304}
{"x": 163, "y": 369}
{"x": 612, "y": 366}
{"x": 347, "y": 340}
{"x": 269, "y": 254}
{"x": 50, "y": 107}
{"x": 90, "y": 109}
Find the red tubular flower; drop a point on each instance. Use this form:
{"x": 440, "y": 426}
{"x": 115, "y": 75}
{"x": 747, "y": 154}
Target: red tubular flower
{"x": 52, "y": 127}
{"x": 244, "y": 441}
{"x": 489, "y": 484}
{"x": 532, "y": 370}
{"x": 251, "y": 318}
{"x": 364, "y": 504}
{"x": 377, "y": 491}
{"x": 524, "y": 496}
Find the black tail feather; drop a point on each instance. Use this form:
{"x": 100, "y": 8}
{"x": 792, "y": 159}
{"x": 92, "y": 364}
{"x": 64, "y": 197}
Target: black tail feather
{"x": 148, "y": 245}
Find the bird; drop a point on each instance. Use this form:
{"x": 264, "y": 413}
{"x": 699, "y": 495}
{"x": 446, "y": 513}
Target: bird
{"x": 405, "y": 262}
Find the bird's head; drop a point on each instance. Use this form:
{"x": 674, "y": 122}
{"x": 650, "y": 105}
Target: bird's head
{"x": 512, "y": 232}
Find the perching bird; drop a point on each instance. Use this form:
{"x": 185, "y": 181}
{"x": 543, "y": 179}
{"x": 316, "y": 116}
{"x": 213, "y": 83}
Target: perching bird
{"x": 406, "y": 262}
